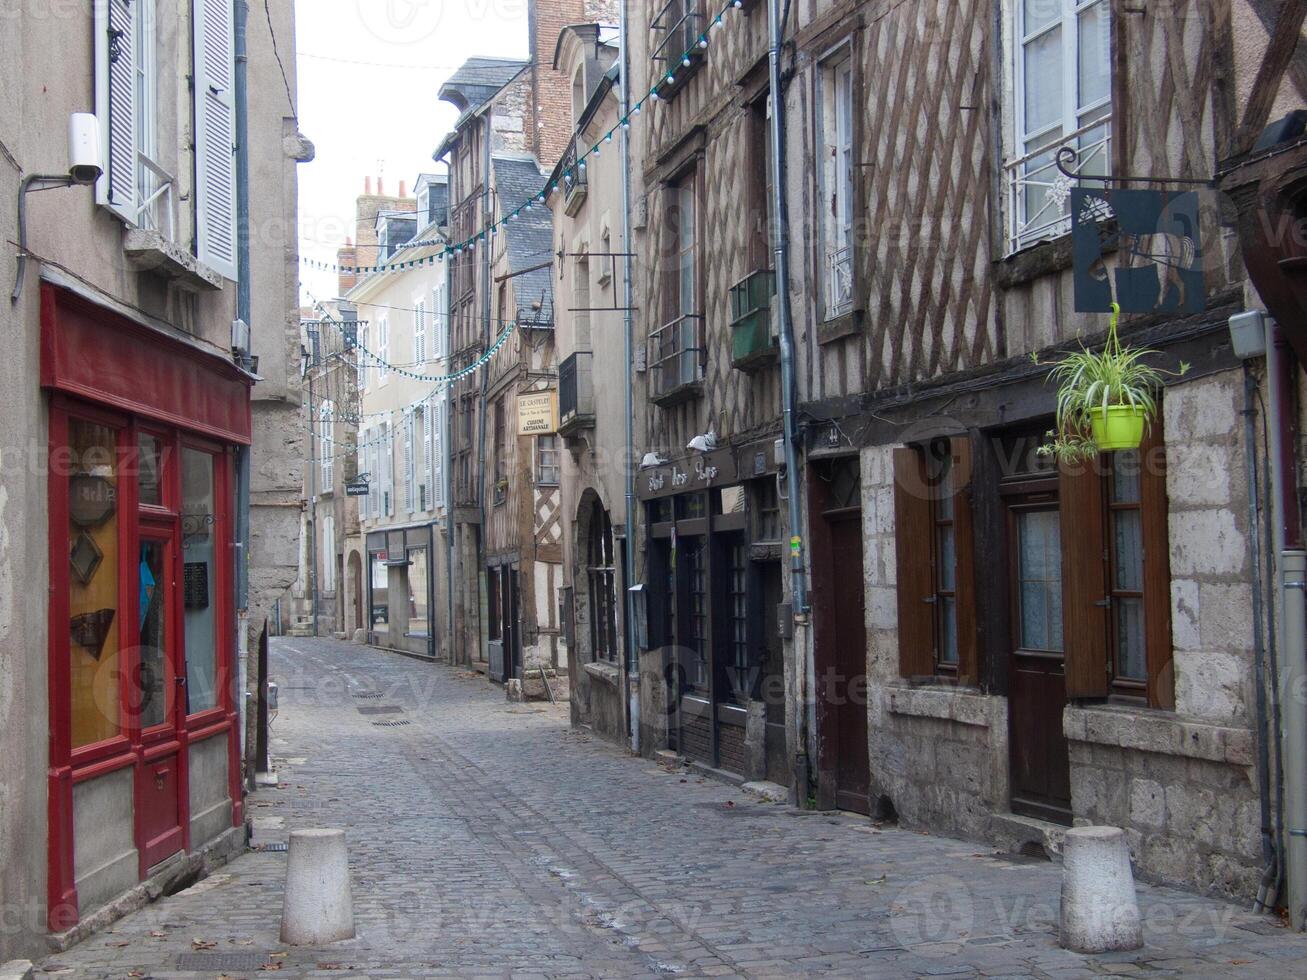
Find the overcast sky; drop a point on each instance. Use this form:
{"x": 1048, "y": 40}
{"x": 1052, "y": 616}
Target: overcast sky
{"x": 368, "y": 72}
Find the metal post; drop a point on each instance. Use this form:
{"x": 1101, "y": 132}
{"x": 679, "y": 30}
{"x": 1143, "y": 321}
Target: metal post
{"x": 631, "y": 662}
{"x": 313, "y": 508}
{"x": 781, "y": 246}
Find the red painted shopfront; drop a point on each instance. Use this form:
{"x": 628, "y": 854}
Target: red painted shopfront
{"x": 144, "y": 741}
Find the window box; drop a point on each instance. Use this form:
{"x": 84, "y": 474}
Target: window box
{"x": 675, "y": 359}
{"x": 676, "y": 30}
{"x": 576, "y": 393}
{"x": 754, "y": 341}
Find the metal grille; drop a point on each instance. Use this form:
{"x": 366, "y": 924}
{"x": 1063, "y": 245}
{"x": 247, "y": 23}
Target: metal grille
{"x": 379, "y": 709}
{"x": 391, "y": 724}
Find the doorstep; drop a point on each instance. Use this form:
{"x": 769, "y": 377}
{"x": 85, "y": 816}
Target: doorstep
{"x": 169, "y": 877}
{"x": 1012, "y": 832}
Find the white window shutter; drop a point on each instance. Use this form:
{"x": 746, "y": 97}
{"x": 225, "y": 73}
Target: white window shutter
{"x": 115, "y": 104}
{"x": 374, "y": 453}
{"x": 388, "y": 464}
{"x": 215, "y": 136}
{"x": 438, "y": 455}
{"x": 420, "y": 332}
{"x": 408, "y": 461}
{"x": 428, "y": 443}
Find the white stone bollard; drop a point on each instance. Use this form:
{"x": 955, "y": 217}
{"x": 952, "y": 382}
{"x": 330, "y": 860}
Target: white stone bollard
{"x": 317, "y": 906}
{"x": 1100, "y": 912}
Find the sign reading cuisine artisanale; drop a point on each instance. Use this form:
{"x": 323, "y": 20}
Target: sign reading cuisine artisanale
{"x": 1154, "y": 238}
{"x": 537, "y": 413}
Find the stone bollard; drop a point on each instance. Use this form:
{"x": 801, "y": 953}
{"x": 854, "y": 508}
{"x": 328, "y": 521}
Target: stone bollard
{"x": 317, "y": 906}
{"x": 1099, "y": 910}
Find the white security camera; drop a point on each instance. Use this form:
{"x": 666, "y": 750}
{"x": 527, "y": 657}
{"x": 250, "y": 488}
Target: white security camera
{"x": 84, "y": 166}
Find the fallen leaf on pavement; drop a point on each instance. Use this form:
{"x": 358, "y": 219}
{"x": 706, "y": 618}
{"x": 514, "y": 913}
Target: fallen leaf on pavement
{"x": 269, "y": 967}
{"x": 158, "y": 933}
{"x": 203, "y": 944}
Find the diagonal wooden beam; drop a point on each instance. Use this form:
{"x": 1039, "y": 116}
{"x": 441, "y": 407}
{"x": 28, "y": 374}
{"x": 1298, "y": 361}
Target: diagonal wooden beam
{"x": 1279, "y": 56}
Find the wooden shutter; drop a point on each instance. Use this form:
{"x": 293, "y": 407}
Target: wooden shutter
{"x": 912, "y": 542}
{"x": 428, "y": 446}
{"x": 964, "y": 541}
{"x": 115, "y": 104}
{"x": 215, "y": 136}
{"x": 1084, "y": 580}
{"x": 388, "y": 464}
{"x": 1157, "y": 568}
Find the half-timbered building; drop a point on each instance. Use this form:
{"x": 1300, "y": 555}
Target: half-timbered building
{"x": 1038, "y": 644}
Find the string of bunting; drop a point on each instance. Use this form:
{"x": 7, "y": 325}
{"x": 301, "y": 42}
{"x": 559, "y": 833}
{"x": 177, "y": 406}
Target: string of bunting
{"x": 539, "y": 199}
{"x": 442, "y": 381}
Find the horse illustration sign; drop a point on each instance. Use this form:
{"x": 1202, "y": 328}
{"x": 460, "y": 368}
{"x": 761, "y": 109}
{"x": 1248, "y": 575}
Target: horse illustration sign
{"x": 1155, "y": 240}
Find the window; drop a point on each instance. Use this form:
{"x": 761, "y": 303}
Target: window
{"x": 836, "y": 180}
{"x": 695, "y": 638}
{"x": 601, "y": 576}
{"x": 758, "y": 167}
{"x": 1117, "y": 594}
{"x": 675, "y": 29}
{"x": 739, "y": 664}
{"x": 1063, "y": 79}
{"x": 328, "y": 553}
{"x": 937, "y": 596}
{"x": 326, "y": 445}
{"x": 439, "y": 322}
{"x": 501, "y": 454}
{"x": 547, "y": 461}
{"x": 407, "y": 450}
{"x": 383, "y": 349}
{"x": 676, "y": 349}
{"x": 419, "y": 332}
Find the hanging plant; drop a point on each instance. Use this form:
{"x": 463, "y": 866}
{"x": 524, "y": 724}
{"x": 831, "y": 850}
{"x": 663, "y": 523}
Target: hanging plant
{"x": 1106, "y": 400}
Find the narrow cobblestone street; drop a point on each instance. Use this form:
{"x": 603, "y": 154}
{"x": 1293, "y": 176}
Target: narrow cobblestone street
{"x": 489, "y": 839}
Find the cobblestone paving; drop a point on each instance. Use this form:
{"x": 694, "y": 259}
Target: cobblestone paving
{"x": 488, "y": 839}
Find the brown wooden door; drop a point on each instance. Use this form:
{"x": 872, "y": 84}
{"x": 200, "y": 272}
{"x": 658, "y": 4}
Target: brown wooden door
{"x": 846, "y": 708}
{"x": 1040, "y": 772}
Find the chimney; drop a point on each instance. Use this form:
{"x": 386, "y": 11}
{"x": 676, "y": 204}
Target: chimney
{"x": 401, "y": 189}
{"x": 367, "y": 185}
{"x": 381, "y": 188}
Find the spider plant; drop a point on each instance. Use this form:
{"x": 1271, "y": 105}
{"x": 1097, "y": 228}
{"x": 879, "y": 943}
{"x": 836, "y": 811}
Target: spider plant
{"x": 1105, "y": 399}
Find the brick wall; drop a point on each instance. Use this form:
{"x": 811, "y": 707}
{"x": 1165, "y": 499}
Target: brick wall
{"x": 550, "y": 117}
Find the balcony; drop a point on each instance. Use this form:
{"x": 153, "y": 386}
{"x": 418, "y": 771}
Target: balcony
{"x": 1038, "y": 194}
{"x": 576, "y": 409}
{"x": 676, "y": 30}
{"x": 676, "y": 360}
{"x": 754, "y": 342}
{"x": 576, "y": 182}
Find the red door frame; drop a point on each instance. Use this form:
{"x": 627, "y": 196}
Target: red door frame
{"x": 132, "y": 747}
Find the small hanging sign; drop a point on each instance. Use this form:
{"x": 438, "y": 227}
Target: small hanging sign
{"x": 1138, "y": 248}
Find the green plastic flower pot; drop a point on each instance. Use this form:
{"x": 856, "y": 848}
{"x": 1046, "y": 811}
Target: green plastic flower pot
{"x": 1118, "y": 427}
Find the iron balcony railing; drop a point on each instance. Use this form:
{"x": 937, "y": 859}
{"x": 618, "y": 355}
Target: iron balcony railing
{"x": 576, "y": 392}
{"x": 839, "y": 281}
{"x": 679, "y": 23}
{"x": 675, "y": 354}
{"x": 155, "y": 211}
{"x": 576, "y": 181}
{"x": 1038, "y": 194}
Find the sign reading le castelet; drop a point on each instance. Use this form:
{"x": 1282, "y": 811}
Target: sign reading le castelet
{"x": 537, "y": 413}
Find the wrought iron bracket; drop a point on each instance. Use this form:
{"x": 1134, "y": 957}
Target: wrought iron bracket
{"x": 1067, "y": 155}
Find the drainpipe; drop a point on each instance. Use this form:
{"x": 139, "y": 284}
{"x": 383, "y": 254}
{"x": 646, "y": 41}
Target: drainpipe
{"x": 1270, "y": 857}
{"x": 240, "y": 17}
{"x": 482, "y": 632}
{"x": 1292, "y": 573}
{"x": 781, "y": 246}
{"x": 631, "y": 666}
{"x": 447, "y": 448}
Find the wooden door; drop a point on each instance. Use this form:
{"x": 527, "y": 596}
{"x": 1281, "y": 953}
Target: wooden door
{"x": 1039, "y": 767}
{"x": 159, "y": 707}
{"x": 773, "y": 671}
{"x": 846, "y": 708}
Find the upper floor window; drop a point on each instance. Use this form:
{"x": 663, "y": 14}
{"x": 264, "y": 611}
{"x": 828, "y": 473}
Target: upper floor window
{"x": 1061, "y": 64}
{"x": 383, "y": 349}
{"x": 419, "y": 332}
{"x": 675, "y": 31}
{"x": 676, "y": 348}
{"x": 835, "y": 175}
{"x": 547, "y": 461}
{"x": 326, "y": 443}
{"x": 365, "y": 336}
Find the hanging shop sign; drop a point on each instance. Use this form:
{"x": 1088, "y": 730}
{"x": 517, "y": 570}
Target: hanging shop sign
{"x": 715, "y": 469}
{"x": 1154, "y": 236}
{"x": 537, "y": 413}
{"x": 358, "y": 487}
